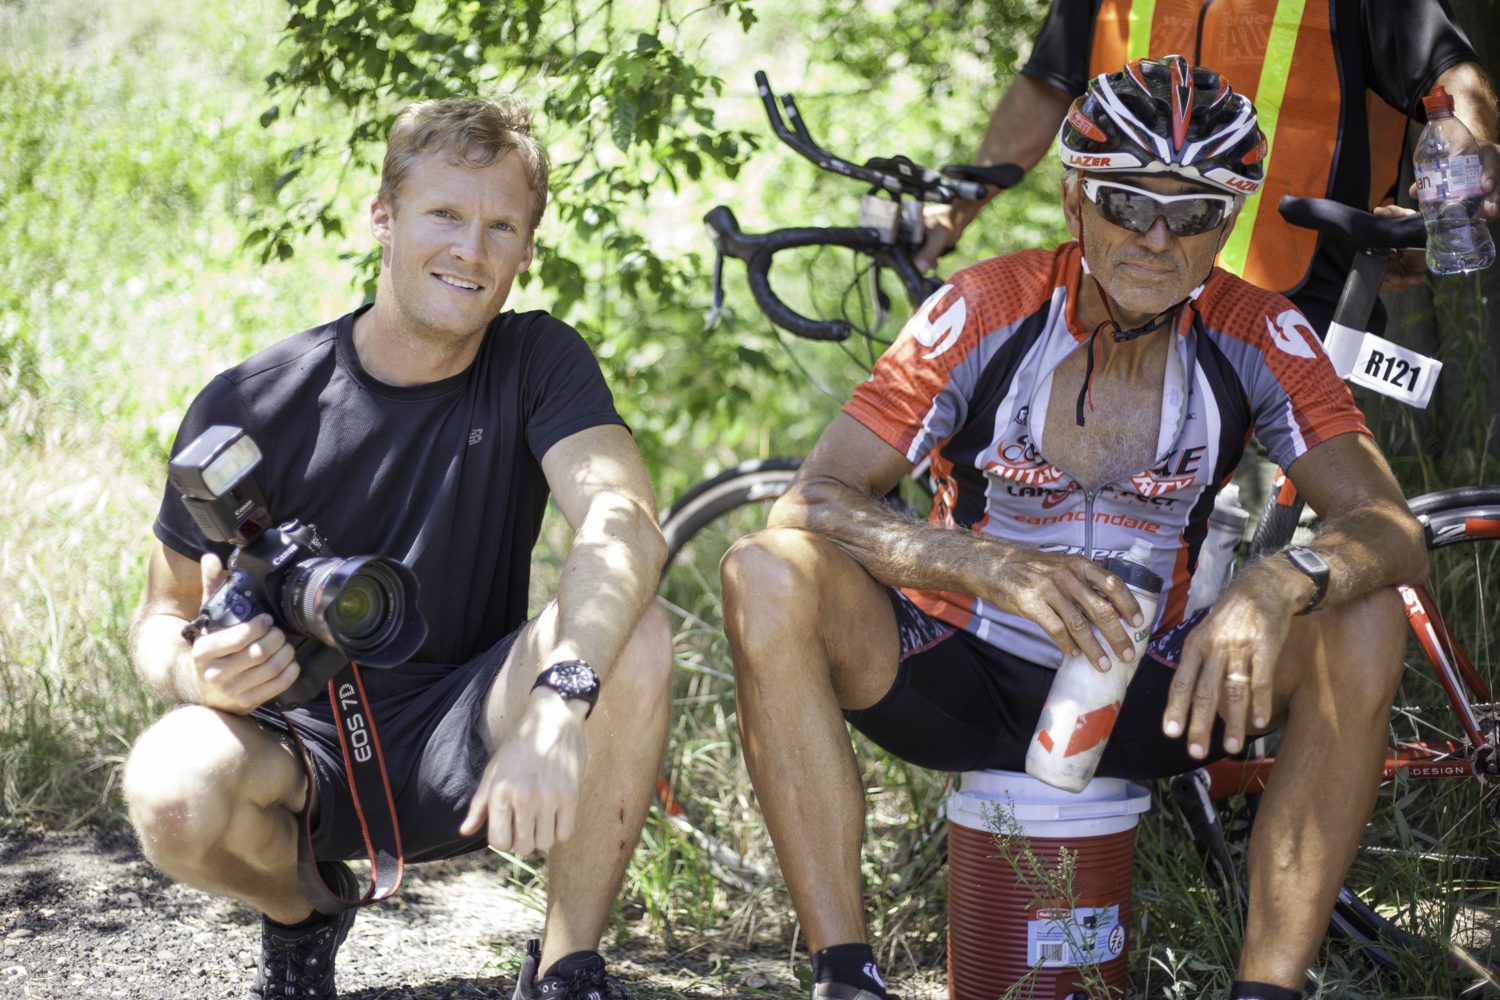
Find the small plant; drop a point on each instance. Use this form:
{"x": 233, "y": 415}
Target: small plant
{"x": 1071, "y": 934}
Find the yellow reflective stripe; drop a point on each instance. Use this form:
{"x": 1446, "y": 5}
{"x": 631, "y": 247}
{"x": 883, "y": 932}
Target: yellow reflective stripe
{"x": 1139, "y": 44}
{"x": 1268, "y": 94}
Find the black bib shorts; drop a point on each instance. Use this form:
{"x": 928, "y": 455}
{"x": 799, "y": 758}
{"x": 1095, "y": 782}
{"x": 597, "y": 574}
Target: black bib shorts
{"x": 961, "y": 704}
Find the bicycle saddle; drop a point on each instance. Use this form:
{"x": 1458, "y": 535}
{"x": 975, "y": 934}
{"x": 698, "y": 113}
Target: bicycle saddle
{"x": 1362, "y": 229}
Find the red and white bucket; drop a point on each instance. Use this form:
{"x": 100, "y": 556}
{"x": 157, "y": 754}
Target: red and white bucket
{"x": 996, "y": 934}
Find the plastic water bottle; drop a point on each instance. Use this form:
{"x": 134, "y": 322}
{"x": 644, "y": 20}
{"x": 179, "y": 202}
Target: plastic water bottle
{"x": 1448, "y": 175}
{"x": 1084, "y": 702}
{"x": 1226, "y": 529}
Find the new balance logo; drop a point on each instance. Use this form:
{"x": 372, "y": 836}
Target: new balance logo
{"x": 476, "y": 436}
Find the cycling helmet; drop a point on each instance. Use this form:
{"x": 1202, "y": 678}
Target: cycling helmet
{"x": 1165, "y": 116}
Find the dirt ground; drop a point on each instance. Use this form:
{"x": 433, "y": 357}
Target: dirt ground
{"x": 84, "y": 915}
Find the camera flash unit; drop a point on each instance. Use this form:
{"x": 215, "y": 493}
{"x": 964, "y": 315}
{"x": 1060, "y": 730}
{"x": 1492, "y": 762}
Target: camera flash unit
{"x": 213, "y": 474}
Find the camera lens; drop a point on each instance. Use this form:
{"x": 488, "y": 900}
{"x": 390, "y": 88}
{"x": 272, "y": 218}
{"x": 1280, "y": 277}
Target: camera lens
{"x": 360, "y": 607}
{"x": 365, "y": 606}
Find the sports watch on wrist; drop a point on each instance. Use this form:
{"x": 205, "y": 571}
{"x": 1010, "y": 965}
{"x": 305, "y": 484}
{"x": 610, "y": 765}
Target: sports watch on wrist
{"x": 571, "y": 679}
{"x": 1313, "y": 565}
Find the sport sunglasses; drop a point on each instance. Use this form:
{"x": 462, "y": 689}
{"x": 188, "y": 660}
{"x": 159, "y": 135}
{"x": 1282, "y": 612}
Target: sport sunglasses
{"x": 1137, "y": 210}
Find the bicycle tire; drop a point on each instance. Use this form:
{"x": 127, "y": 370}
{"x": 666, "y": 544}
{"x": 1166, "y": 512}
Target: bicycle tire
{"x": 748, "y": 482}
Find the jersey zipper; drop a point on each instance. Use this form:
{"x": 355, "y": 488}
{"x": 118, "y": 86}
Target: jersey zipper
{"x": 1088, "y": 524}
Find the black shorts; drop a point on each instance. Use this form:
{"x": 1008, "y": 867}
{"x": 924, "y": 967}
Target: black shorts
{"x": 960, "y": 704}
{"x": 427, "y": 720}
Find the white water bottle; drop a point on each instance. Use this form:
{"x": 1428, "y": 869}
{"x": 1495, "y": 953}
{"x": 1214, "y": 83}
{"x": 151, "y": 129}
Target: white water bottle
{"x": 1448, "y": 176}
{"x": 1083, "y": 702}
{"x": 1226, "y": 529}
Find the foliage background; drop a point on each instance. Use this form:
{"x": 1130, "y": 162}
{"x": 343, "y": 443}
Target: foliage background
{"x": 159, "y": 223}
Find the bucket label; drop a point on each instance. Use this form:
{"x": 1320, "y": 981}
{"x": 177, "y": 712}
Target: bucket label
{"x": 1059, "y": 937}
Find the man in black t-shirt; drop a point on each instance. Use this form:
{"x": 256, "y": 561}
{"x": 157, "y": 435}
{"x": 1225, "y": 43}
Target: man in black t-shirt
{"x": 431, "y": 428}
{"x": 1343, "y": 80}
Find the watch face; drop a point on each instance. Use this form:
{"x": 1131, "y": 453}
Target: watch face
{"x": 1308, "y": 561}
{"x": 573, "y": 680}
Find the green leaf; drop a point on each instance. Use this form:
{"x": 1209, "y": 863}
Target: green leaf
{"x": 285, "y": 179}
{"x": 646, "y": 44}
{"x": 270, "y": 115}
{"x": 622, "y": 123}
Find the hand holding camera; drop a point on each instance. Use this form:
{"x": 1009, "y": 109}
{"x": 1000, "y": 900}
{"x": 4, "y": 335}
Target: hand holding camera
{"x": 244, "y": 666}
{"x": 327, "y": 610}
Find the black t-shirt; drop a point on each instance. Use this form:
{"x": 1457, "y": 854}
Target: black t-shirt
{"x": 1399, "y": 50}
{"x": 446, "y": 477}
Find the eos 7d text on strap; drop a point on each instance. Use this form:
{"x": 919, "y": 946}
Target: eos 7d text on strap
{"x": 370, "y": 788}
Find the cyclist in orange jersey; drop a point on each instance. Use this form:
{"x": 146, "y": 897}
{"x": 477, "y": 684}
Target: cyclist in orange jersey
{"x": 1333, "y": 80}
{"x": 1074, "y": 402}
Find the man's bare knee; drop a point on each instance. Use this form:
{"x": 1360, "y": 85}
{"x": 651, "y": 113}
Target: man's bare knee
{"x": 1363, "y": 644}
{"x": 645, "y": 664}
{"x": 776, "y": 566}
{"x": 183, "y": 778}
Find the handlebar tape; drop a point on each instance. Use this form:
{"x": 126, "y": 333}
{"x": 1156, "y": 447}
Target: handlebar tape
{"x": 1362, "y": 229}
{"x": 757, "y": 249}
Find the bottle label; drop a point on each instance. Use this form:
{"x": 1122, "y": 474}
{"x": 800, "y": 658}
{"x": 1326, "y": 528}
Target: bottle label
{"x": 1089, "y": 931}
{"x": 1453, "y": 177}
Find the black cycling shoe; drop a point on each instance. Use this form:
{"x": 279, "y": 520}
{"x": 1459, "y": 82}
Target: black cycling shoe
{"x": 579, "y": 976}
{"x": 299, "y": 963}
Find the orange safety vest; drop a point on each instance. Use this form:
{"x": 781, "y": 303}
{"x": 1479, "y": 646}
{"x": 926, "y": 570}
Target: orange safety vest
{"x": 1279, "y": 54}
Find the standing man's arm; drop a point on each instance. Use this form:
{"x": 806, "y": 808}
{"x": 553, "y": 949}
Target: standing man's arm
{"x": 609, "y": 576}
{"x": 1474, "y": 105}
{"x": 1020, "y": 131}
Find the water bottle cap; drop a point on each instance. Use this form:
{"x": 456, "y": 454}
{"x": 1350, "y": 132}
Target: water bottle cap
{"x": 1135, "y": 567}
{"x": 1438, "y": 102}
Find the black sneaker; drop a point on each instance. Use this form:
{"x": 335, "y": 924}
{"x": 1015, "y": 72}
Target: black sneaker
{"x": 843, "y": 991}
{"x": 299, "y": 963}
{"x": 579, "y": 976}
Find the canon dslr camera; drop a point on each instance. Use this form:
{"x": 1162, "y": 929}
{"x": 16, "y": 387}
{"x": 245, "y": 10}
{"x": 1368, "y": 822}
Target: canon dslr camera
{"x": 332, "y": 610}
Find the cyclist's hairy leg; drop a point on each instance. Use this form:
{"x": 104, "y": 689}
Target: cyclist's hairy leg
{"x": 1335, "y": 680}
{"x": 215, "y": 799}
{"x": 811, "y": 633}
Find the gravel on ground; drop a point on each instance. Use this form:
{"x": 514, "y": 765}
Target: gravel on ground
{"x": 84, "y": 915}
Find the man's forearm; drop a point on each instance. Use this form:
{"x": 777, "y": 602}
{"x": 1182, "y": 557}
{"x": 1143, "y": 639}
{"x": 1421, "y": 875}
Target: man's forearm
{"x": 1473, "y": 99}
{"x": 1024, "y": 124}
{"x": 893, "y": 548}
{"x": 1366, "y": 549}
{"x": 607, "y": 579}
{"x": 163, "y": 659}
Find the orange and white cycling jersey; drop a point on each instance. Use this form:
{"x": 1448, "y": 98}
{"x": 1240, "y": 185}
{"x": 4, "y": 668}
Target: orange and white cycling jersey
{"x": 968, "y": 382}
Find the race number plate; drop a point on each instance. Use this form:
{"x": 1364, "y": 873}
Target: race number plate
{"x": 1394, "y": 371}
{"x": 1378, "y": 364}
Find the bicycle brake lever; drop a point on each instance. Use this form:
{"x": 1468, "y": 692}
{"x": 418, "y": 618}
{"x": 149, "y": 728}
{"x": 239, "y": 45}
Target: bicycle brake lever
{"x": 718, "y": 293}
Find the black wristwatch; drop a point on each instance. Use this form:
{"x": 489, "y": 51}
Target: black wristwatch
{"x": 571, "y": 679}
{"x": 1313, "y": 565}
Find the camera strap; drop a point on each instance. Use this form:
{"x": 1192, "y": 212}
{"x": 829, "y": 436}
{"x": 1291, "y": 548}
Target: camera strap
{"x": 364, "y": 765}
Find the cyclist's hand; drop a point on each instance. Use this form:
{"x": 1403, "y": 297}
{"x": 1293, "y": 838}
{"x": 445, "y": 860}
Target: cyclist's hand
{"x": 1229, "y": 662}
{"x": 1410, "y": 269}
{"x": 1489, "y": 180}
{"x": 529, "y": 792}
{"x": 944, "y": 225}
{"x": 1063, "y": 593}
{"x": 241, "y": 667}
